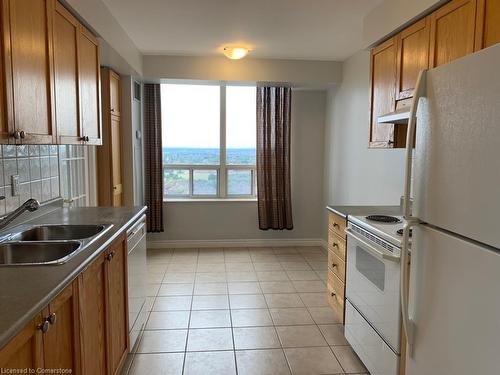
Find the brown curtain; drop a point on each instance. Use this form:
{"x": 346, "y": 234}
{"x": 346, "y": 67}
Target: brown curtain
{"x": 273, "y": 157}
{"x": 153, "y": 157}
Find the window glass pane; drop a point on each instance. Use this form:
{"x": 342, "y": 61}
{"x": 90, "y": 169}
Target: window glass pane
{"x": 176, "y": 181}
{"x": 241, "y": 115}
{"x": 239, "y": 182}
{"x": 205, "y": 182}
{"x": 190, "y": 124}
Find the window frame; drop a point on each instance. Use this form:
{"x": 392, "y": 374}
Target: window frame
{"x": 222, "y": 169}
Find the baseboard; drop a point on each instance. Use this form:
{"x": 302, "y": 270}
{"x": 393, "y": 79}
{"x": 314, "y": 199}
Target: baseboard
{"x": 324, "y": 244}
{"x": 161, "y": 244}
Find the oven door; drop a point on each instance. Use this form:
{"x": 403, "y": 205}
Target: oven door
{"x": 373, "y": 283}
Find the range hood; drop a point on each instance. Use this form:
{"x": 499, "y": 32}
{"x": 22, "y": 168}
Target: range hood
{"x": 399, "y": 116}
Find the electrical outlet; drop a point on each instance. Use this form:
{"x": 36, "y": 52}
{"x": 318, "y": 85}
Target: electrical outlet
{"x": 15, "y": 185}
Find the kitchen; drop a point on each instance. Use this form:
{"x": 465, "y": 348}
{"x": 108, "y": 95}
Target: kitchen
{"x": 383, "y": 113}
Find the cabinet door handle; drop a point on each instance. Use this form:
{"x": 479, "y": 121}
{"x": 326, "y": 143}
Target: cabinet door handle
{"x": 52, "y": 318}
{"x": 22, "y": 134}
{"x": 16, "y": 135}
{"x": 44, "y": 326}
{"x": 112, "y": 109}
{"x": 110, "y": 256}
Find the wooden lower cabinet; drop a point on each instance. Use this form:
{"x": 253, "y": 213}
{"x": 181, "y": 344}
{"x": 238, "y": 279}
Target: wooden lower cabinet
{"x": 84, "y": 328}
{"x": 337, "y": 258}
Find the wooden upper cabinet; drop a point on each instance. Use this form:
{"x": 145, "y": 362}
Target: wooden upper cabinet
{"x": 66, "y": 35}
{"x": 487, "y": 23}
{"x": 412, "y": 56}
{"x": 92, "y": 285}
{"x": 6, "y": 124}
{"x": 29, "y": 24}
{"x": 90, "y": 88}
{"x": 25, "y": 350}
{"x": 118, "y": 342}
{"x": 452, "y": 31}
{"x": 114, "y": 92}
{"x": 383, "y": 87}
{"x": 62, "y": 341}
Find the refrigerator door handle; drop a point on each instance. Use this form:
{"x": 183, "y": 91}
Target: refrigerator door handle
{"x": 408, "y": 324}
{"x": 419, "y": 92}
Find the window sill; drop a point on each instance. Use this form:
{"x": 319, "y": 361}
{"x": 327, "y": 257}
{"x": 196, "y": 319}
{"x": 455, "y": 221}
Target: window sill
{"x": 208, "y": 200}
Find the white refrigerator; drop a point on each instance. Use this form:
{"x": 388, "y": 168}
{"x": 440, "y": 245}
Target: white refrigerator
{"x": 451, "y": 313}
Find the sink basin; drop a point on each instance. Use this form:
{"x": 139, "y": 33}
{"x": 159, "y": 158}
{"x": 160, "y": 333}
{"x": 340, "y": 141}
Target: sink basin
{"x": 58, "y": 233}
{"x": 36, "y": 253}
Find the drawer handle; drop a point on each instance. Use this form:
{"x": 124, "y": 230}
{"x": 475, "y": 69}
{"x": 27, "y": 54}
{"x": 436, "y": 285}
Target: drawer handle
{"x": 52, "y": 318}
{"x": 335, "y": 244}
{"x": 333, "y": 294}
{"x": 334, "y": 265}
{"x": 335, "y": 225}
{"x": 110, "y": 256}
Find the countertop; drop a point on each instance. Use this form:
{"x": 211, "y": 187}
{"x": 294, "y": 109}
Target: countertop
{"x": 26, "y": 290}
{"x": 346, "y": 211}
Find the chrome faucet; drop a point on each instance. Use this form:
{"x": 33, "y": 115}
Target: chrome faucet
{"x": 30, "y": 205}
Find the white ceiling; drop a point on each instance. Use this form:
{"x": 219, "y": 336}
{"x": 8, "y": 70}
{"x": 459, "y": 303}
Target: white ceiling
{"x": 291, "y": 29}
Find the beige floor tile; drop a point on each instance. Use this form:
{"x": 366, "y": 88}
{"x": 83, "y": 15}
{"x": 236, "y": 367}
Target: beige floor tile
{"x": 176, "y": 289}
{"x": 237, "y": 258}
{"x": 171, "y": 303}
{"x": 302, "y": 275}
{"x": 155, "y": 277}
{"x": 296, "y": 266}
{"x": 319, "y": 266}
{"x": 210, "y": 277}
{"x": 181, "y": 267}
{"x": 263, "y": 266}
{"x": 158, "y": 364}
{"x": 168, "y": 320}
{"x": 251, "y": 318}
{"x": 334, "y": 334}
{"x": 217, "y": 302}
{"x": 291, "y": 316}
{"x": 211, "y": 267}
{"x": 211, "y": 259}
{"x": 163, "y": 341}
{"x": 262, "y": 362}
{"x": 156, "y": 268}
{"x": 247, "y": 301}
{"x": 300, "y": 336}
{"x": 178, "y": 277}
{"x": 210, "y": 339}
{"x": 210, "y": 288}
{"x": 210, "y": 319}
{"x": 251, "y": 287}
{"x": 239, "y": 267}
{"x": 272, "y": 276}
{"x": 152, "y": 290}
{"x": 277, "y": 287}
{"x": 255, "y": 338}
{"x": 309, "y": 286}
{"x": 210, "y": 363}
{"x": 314, "y": 299}
{"x": 283, "y": 300}
{"x": 312, "y": 361}
{"x": 241, "y": 276}
{"x": 349, "y": 361}
{"x": 148, "y": 306}
{"x": 290, "y": 258}
{"x": 284, "y": 250}
{"x": 323, "y": 275}
{"x": 323, "y": 315}
{"x": 264, "y": 258}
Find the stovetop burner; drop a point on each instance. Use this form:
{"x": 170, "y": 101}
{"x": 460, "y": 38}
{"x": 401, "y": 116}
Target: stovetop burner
{"x": 383, "y": 218}
{"x": 400, "y": 231}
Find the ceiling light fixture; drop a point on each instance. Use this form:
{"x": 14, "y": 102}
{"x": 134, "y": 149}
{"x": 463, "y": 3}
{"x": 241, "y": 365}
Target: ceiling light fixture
{"x": 235, "y": 53}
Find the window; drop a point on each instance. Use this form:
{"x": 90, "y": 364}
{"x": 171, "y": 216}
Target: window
{"x": 209, "y": 141}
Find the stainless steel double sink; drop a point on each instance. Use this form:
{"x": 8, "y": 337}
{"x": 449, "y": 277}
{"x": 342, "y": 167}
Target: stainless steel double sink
{"x": 46, "y": 244}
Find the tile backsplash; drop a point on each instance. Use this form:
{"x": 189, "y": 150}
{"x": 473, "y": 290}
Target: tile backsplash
{"x": 38, "y": 169}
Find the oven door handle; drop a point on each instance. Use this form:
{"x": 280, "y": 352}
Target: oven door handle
{"x": 372, "y": 249}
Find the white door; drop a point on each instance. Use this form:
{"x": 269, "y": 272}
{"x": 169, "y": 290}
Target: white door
{"x": 457, "y": 155}
{"x": 454, "y": 304}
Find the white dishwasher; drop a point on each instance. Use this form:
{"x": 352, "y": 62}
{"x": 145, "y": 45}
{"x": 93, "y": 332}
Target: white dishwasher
{"x": 137, "y": 279}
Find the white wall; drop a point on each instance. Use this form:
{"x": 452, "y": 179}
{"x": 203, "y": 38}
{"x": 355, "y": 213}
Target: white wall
{"x": 188, "y": 221}
{"x": 219, "y": 68}
{"x": 355, "y": 174}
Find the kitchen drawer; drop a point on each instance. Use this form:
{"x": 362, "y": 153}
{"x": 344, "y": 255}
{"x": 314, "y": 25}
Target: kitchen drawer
{"x": 337, "y": 245}
{"x": 336, "y": 297}
{"x": 337, "y": 224}
{"x": 336, "y": 265}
